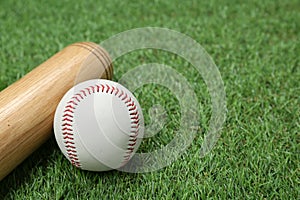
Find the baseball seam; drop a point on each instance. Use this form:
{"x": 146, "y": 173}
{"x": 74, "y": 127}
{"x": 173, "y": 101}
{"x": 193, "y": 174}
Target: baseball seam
{"x": 70, "y": 109}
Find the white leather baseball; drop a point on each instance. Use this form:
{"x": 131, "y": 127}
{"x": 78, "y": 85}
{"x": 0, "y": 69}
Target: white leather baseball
{"x": 98, "y": 125}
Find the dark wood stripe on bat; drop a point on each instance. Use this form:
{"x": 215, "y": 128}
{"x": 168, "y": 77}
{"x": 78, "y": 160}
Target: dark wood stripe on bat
{"x": 93, "y": 52}
{"x": 103, "y": 54}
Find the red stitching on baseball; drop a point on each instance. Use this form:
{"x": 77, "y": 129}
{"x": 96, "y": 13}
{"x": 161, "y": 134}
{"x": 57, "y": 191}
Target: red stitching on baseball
{"x": 83, "y": 92}
{"x": 135, "y": 117}
{"x": 108, "y": 88}
{"x": 98, "y": 88}
{"x": 70, "y": 147}
{"x": 132, "y": 144}
{"x": 68, "y": 120}
{"x": 128, "y": 100}
{"x": 132, "y": 108}
{"x": 93, "y": 89}
{"x": 117, "y": 91}
{"x": 89, "y": 90}
{"x": 131, "y": 104}
{"x": 130, "y": 149}
{"x": 72, "y": 102}
{"x": 71, "y": 150}
{"x": 112, "y": 89}
{"x": 125, "y": 97}
{"x": 77, "y": 164}
{"x": 69, "y": 142}
{"x": 69, "y": 110}
{"x": 121, "y": 94}
{"x": 67, "y": 115}
{"x": 72, "y": 154}
{"x": 70, "y": 106}
{"x": 135, "y": 126}
{"x": 80, "y": 95}
{"x": 76, "y": 98}
{"x": 74, "y": 158}
{"x": 68, "y": 137}
{"x": 134, "y": 113}
{"x": 66, "y": 129}
{"x": 136, "y": 121}
{"x": 66, "y": 124}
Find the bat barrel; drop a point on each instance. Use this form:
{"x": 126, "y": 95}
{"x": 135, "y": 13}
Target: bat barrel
{"x": 27, "y": 107}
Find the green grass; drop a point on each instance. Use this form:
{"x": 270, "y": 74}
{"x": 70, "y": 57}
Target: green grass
{"x": 256, "y": 48}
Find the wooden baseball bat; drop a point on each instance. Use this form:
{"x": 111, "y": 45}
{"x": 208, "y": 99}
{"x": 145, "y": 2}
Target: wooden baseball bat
{"x": 27, "y": 107}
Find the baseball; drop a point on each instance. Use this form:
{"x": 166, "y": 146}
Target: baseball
{"x": 98, "y": 125}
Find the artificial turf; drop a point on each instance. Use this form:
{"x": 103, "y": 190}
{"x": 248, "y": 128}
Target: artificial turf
{"x": 256, "y": 47}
